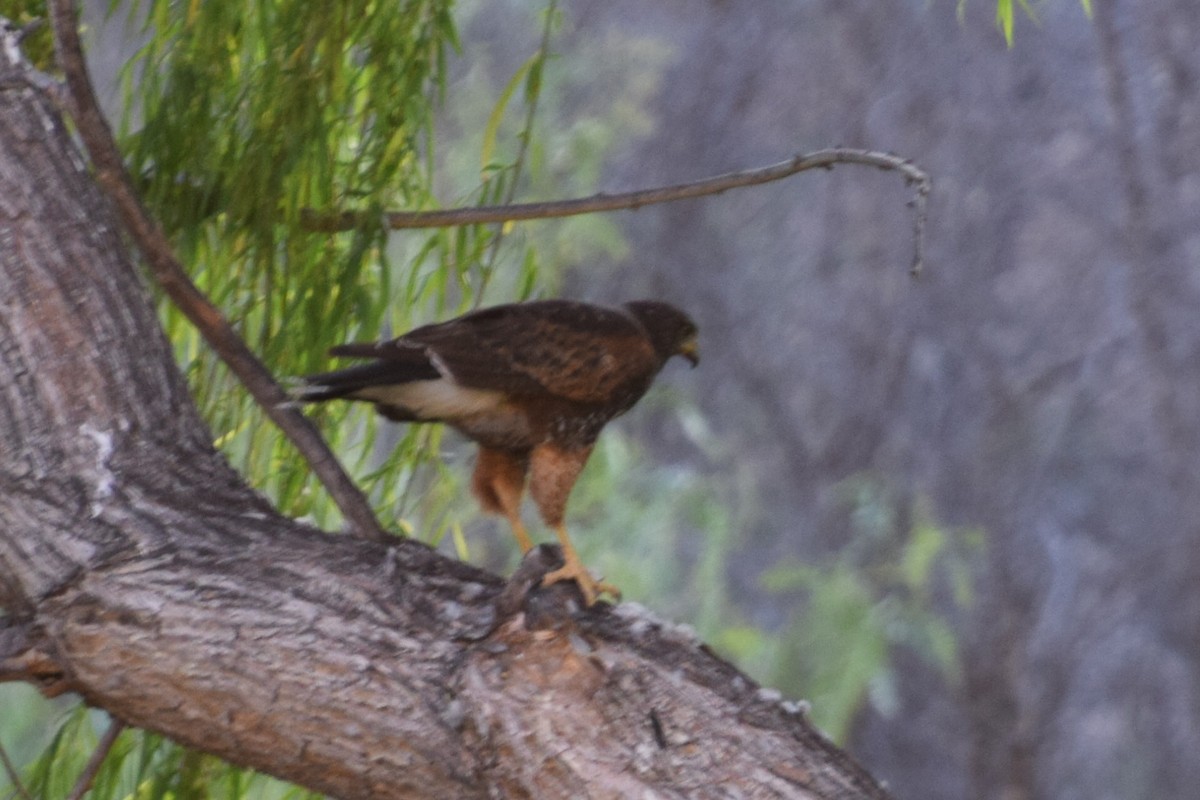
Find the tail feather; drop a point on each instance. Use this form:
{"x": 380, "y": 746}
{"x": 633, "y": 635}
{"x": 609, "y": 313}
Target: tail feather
{"x": 346, "y": 382}
{"x": 373, "y": 350}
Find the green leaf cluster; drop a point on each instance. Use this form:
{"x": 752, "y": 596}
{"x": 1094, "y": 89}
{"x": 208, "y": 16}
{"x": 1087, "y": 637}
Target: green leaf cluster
{"x": 38, "y": 45}
{"x": 889, "y": 588}
{"x": 142, "y": 766}
{"x": 1006, "y": 14}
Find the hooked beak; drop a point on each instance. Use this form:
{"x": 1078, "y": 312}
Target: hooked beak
{"x": 691, "y": 351}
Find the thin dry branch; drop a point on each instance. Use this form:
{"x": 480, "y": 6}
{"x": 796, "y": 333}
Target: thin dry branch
{"x": 10, "y": 769}
{"x": 821, "y": 159}
{"x": 174, "y": 281}
{"x": 84, "y": 783}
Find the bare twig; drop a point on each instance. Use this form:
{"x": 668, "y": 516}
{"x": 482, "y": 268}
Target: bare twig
{"x": 13, "y": 778}
{"x": 97, "y": 758}
{"x": 25, "y": 657}
{"x": 821, "y": 159}
{"x": 171, "y": 276}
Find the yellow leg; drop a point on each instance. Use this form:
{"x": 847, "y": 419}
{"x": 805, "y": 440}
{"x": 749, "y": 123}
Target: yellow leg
{"x": 518, "y": 529}
{"x": 573, "y": 570}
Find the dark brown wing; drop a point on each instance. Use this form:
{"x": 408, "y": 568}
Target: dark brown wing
{"x": 576, "y": 351}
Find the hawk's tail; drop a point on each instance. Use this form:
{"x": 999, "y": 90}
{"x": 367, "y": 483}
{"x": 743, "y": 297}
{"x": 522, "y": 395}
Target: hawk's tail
{"x": 410, "y": 366}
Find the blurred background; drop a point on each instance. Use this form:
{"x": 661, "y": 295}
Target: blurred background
{"x": 957, "y": 514}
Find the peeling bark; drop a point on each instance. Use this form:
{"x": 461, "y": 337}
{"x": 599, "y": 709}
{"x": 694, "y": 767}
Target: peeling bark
{"x": 140, "y": 571}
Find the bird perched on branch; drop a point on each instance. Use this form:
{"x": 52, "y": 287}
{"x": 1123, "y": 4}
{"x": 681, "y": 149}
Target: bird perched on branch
{"x": 533, "y": 383}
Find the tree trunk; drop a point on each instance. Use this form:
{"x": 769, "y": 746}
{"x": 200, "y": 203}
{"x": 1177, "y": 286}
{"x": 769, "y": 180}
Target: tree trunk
{"x": 140, "y": 571}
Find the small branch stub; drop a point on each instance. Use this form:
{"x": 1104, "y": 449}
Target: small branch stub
{"x": 24, "y": 656}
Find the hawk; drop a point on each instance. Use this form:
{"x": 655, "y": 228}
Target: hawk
{"x": 532, "y": 383}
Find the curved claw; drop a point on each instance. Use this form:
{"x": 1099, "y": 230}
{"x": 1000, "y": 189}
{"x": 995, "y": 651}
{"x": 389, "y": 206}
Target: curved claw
{"x": 591, "y": 588}
{"x": 574, "y": 570}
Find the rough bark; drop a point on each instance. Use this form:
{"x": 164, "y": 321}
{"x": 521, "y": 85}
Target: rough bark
{"x": 140, "y": 571}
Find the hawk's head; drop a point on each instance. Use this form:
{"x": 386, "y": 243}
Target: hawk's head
{"x": 672, "y": 331}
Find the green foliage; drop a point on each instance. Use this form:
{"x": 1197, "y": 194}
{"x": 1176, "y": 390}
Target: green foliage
{"x": 882, "y": 591}
{"x": 38, "y": 45}
{"x": 26, "y": 725}
{"x": 669, "y": 537}
{"x": 140, "y": 766}
{"x": 241, "y": 117}
{"x": 1006, "y": 14}
{"x": 587, "y": 104}
{"x": 493, "y": 122}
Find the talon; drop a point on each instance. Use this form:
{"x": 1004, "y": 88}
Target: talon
{"x": 591, "y": 588}
{"x": 574, "y": 570}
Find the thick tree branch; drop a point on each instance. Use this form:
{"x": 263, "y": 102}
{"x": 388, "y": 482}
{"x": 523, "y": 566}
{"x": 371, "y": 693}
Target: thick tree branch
{"x": 821, "y": 159}
{"x": 172, "y": 277}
